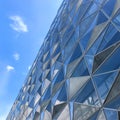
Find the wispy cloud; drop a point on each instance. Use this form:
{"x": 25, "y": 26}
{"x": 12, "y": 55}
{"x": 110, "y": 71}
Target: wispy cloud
{"x": 16, "y": 56}
{"x": 18, "y": 24}
{"x": 29, "y": 67}
{"x": 9, "y": 68}
{"x": 4, "y": 80}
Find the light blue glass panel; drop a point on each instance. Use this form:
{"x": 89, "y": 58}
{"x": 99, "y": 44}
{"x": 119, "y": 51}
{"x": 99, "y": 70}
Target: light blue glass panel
{"x": 104, "y": 83}
{"x": 111, "y": 36}
{"x": 111, "y": 114}
{"x": 76, "y": 54}
{"x": 80, "y": 70}
{"x": 59, "y": 77}
{"x": 114, "y": 103}
{"x": 85, "y": 39}
{"x": 109, "y": 7}
{"x": 46, "y": 94}
{"x": 87, "y": 95}
{"x": 80, "y": 12}
{"x": 70, "y": 43}
{"x": 92, "y": 9}
{"x": 116, "y": 19}
{"x": 89, "y": 60}
{"x": 63, "y": 93}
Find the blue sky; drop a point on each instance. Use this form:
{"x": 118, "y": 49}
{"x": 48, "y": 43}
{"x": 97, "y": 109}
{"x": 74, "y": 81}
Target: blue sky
{"x": 23, "y": 27}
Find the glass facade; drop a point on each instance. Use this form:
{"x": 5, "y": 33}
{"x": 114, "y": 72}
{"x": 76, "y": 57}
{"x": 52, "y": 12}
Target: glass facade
{"x": 76, "y": 74}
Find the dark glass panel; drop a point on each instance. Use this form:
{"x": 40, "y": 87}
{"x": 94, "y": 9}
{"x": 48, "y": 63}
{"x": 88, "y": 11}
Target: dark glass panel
{"x": 99, "y": 58}
{"x": 109, "y": 65}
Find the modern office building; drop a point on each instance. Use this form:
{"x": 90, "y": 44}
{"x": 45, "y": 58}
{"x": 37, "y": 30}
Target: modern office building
{"x": 76, "y": 74}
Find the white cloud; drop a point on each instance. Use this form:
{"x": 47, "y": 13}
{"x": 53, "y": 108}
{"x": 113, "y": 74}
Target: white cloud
{"x": 16, "y": 56}
{"x": 29, "y": 67}
{"x": 9, "y": 68}
{"x": 4, "y": 80}
{"x": 18, "y": 24}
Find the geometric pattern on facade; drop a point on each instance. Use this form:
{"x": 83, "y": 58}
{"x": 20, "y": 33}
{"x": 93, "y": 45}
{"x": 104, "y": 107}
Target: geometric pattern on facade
{"x": 76, "y": 74}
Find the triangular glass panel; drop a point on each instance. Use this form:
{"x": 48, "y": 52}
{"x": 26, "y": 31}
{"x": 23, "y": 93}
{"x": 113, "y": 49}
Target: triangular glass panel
{"x": 85, "y": 39}
{"x": 47, "y": 115}
{"x": 46, "y": 94}
{"x": 40, "y": 78}
{"x": 101, "y": 18}
{"x": 94, "y": 48}
{"x": 46, "y": 65}
{"x": 81, "y": 69}
{"x": 114, "y": 103}
{"x": 70, "y": 67}
{"x": 109, "y": 65}
{"x": 45, "y": 85}
{"x": 36, "y": 116}
{"x": 97, "y": 34}
{"x": 104, "y": 83}
{"x": 72, "y": 11}
{"x": 62, "y": 95}
{"x": 94, "y": 116}
{"x": 111, "y": 114}
{"x": 43, "y": 104}
{"x": 85, "y": 24}
{"x": 112, "y": 36}
{"x": 109, "y": 7}
{"x": 57, "y": 50}
{"x": 115, "y": 91}
{"x": 92, "y": 9}
{"x": 57, "y": 110}
{"x": 76, "y": 54}
{"x": 59, "y": 77}
{"x": 101, "y": 116}
{"x": 83, "y": 112}
{"x": 65, "y": 114}
{"x": 37, "y": 98}
{"x": 89, "y": 61}
{"x": 48, "y": 77}
{"x": 75, "y": 84}
{"x": 55, "y": 69}
{"x": 87, "y": 95}
{"x": 100, "y": 58}
{"x": 60, "y": 59}
{"x": 31, "y": 104}
{"x": 49, "y": 107}
{"x": 39, "y": 91}
{"x": 68, "y": 48}
{"x": 55, "y": 95}
{"x": 54, "y": 47}
{"x": 80, "y": 12}
{"x": 67, "y": 35}
{"x": 116, "y": 20}
{"x": 47, "y": 56}
{"x": 55, "y": 59}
